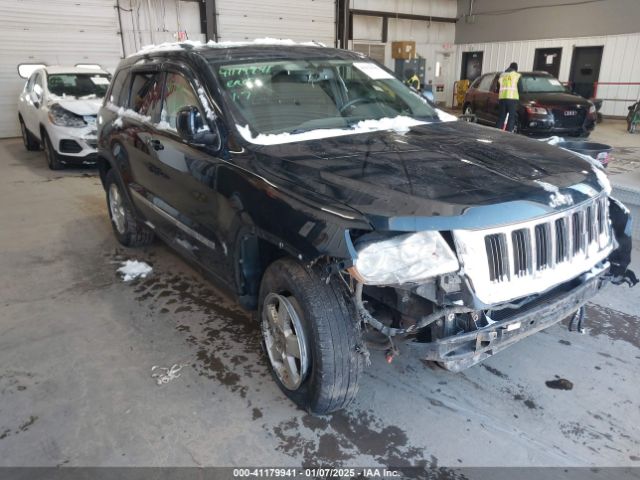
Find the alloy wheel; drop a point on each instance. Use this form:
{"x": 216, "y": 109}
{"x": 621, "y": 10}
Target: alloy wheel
{"x": 116, "y": 207}
{"x": 284, "y": 340}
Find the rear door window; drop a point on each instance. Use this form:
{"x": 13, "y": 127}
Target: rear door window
{"x": 485, "y": 83}
{"x": 146, "y": 94}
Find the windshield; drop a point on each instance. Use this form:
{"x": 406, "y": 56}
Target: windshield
{"x": 78, "y": 85}
{"x": 543, "y": 84}
{"x": 295, "y": 96}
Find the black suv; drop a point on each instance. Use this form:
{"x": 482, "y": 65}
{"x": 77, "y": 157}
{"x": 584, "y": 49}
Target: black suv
{"x": 340, "y": 205}
{"x": 546, "y": 106}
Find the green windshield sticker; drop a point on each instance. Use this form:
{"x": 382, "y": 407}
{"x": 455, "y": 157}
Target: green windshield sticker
{"x": 245, "y": 71}
{"x": 241, "y": 81}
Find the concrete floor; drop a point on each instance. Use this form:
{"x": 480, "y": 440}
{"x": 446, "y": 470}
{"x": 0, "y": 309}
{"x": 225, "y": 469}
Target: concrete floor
{"x": 77, "y": 345}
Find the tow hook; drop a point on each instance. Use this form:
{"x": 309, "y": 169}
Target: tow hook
{"x": 578, "y": 321}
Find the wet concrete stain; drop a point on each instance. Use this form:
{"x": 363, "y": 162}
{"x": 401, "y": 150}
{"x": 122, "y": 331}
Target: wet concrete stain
{"x": 559, "y": 384}
{"x": 495, "y": 371}
{"x": 564, "y": 342}
{"x": 345, "y": 435}
{"x": 14, "y": 381}
{"x": 615, "y": 325}
{"x": 25, "y": 426}
{"x": 256, "y": 414}
{"x": 528, "y": 402}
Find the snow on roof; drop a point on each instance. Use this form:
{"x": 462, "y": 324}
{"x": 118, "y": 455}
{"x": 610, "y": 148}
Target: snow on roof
{"x": 172, "y": 46}
{"x": 54, "y": 69}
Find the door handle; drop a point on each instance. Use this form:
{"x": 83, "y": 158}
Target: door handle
{"x": 155, "y": 144}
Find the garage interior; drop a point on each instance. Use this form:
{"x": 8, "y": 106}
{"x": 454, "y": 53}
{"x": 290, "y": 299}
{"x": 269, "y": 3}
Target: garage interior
{"x": 78, "y": 344}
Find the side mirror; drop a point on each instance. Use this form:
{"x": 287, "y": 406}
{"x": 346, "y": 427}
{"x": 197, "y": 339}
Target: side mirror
{"x": 191, "y": 127}
{"x": 428, "y": 94}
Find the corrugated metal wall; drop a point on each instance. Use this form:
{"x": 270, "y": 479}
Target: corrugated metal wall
{"x": 299, "y": 20}
{"x": 620, "y": 63}
{"x": 51, "y": 32}
{"x": 161, "y": 23}
{"x": 434, "y": 41}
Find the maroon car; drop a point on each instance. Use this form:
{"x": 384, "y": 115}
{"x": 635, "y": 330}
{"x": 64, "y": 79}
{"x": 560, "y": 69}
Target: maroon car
{"x": 546, "y": 106}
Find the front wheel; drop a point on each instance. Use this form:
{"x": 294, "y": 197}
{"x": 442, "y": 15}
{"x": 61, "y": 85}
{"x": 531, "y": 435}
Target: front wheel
{"x": 468, "y": 114}
{"x": 53, "y": 159}
{"x": 310, "y": 337}
{"x": 29, "y": 141}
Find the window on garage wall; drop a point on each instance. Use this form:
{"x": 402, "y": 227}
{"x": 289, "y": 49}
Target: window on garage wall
{"x": 374, "y": 51}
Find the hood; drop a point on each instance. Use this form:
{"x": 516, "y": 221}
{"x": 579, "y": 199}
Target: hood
{"x": 79, "y": 106}
{"x": 440, "y": 175}
{"x": 559, "y": 99}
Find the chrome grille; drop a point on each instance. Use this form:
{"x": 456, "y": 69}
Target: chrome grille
{"x": 521, "y": 241}
{"x": 497, "y": 254}
{"x": 530, "y": 256}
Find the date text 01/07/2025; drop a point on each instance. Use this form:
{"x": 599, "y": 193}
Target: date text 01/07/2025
{"x": 374, "y": 472}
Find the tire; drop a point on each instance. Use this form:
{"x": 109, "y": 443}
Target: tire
{"x": 53, "y": 159}
{"x": 129, "y": 231}
{"x": 326, "y": 332}
{"x": 30, "y": 142}
{"x": 467, "y": 111}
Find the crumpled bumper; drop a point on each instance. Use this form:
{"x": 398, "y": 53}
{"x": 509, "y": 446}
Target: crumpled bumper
{"x": 458, "y": 352}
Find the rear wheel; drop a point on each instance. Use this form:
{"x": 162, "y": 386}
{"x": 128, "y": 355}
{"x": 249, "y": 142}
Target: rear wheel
{"x": 129, "y": 231}
{"x": 30, "y": 142}
{"x": 53, "y": 159}
{"x": 310, "y": 337}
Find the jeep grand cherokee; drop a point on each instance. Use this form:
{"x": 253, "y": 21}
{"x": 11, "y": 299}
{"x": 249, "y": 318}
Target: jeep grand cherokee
{"x": 339, "y": 204}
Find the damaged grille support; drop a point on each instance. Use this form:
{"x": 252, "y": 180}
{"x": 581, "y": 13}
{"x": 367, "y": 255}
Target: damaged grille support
{"x": 367, "y": 318}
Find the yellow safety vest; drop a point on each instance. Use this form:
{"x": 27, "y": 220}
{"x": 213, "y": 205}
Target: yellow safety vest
{"x": 509, "y": 86}
{"x": 414, "y": 82}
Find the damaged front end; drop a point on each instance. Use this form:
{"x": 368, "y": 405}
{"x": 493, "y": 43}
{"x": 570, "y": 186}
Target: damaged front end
{"x": 460, "y": 296}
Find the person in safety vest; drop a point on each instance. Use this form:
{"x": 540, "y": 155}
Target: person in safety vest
{"x": 412, "y": 79}
{"x": 508, "y": 97}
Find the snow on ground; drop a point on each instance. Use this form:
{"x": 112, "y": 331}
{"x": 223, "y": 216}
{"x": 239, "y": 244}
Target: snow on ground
{"x": 132, "y": 269}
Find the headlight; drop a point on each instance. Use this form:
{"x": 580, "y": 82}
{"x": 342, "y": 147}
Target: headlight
{"x": 64, "y": 118}
{"x": 537, "y": 110}
{"x": 404, "y": 259}
{"x": 592, "y": 109}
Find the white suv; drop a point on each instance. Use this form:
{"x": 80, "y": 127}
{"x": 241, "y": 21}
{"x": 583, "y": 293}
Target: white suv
{"x": 57, "y": 110}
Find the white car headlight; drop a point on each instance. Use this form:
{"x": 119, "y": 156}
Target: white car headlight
{"x": 63, "y": 117}
{"x": 404, "y": 259}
